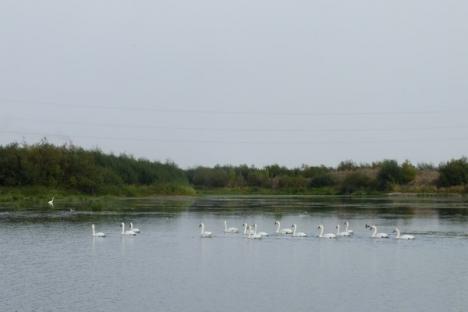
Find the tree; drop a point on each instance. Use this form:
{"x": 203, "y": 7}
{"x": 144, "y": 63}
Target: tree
{"x": 356, "y": 181}
{"x": 391, "y": 173}
{"x": 453, "y": 172}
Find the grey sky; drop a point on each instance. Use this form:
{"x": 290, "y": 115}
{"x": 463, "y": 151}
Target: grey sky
{"x": 256, "y": 82}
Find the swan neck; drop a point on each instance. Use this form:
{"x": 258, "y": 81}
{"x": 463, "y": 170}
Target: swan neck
{"x": 338, "y": 229}
{"x": 94, "y": 231}
{"x": 346, "y": 226}
{"x": 397, "y": 233}
{"x": 225, "y": 225}
{"x": 278, "y": 227}
{"x": 375, "y": 231}
{"x": 321, "y": 231}
{"x": 202, "y": 228}
{"x": 123, "y": 228}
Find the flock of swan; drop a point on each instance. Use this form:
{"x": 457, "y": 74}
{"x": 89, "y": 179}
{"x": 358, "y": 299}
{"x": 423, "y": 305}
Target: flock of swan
{"x": 132, "y": 232}
{"x": 250, "y": 231}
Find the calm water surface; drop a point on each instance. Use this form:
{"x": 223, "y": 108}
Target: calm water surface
{"x": 50, "y": 262}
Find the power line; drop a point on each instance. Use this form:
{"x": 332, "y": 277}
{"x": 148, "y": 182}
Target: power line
{"x": 226, "y": 129}
{"x": 296, "y": 113}
{"x": 263, "y": 142}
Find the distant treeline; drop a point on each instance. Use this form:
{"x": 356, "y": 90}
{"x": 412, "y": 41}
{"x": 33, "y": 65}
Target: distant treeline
{"x": 71, "y": 168}
{"x": 347, "y": 178}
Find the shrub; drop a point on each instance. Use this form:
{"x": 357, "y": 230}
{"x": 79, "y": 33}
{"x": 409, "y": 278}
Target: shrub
{"x": 453, "y": 172}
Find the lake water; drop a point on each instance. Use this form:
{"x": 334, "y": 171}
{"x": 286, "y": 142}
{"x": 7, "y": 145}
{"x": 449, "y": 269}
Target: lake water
{"x": 50, "y": 262}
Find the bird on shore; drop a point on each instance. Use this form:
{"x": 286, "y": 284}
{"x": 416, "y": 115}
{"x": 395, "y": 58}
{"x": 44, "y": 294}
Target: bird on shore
{"x": 51, "y": 202}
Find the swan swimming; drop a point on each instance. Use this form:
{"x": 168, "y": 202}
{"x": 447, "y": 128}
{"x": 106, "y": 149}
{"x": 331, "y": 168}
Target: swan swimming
{"x": 231, "y": 229}
{"x": 375, "y": 234}
{"x": 51, "y": 202}
{"x": 298, "y": 234}
{"x": 346, "y": 224}
{"x": 338, "y": 233}
{"x": 328, "y": 235}
{"x": 404, "y": 236}
{"x": 128, "y": 232}
{"x": 259, "y": 233}
{"x": 203, "y": 233}
{"x": 134, "y": 229}
{"x": 247, "y": 229}
{"x": 253, "y": 235}
{"x": 282, "y": 231}
{"x": 98, "y": 234}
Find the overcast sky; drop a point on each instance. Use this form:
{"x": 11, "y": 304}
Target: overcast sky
{"x": 255, "y": 82}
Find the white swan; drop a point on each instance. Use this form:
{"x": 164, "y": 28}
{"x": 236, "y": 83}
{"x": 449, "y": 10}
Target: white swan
{"x": 134, "y": 229}
{"x": 282, "y": 231}
{"x": 252, "y": 234}
{"x": 297, "y": 234}
{"x": 374, "y": 233}
{"x": 259, "y": 233}
{"x": 247, "y": 229}
{"x": 347, "y": 228}
{"x": 98, "y": 234}
{"x": 204, "y": 233}
{"x": 338, "y": 233}
{"x": 328, "y": 235}
{"x": 128, "y": 232}
{"x": 404, "y": 236}
{"x": 51, "y": 202}
{"x": 231, "y": 229}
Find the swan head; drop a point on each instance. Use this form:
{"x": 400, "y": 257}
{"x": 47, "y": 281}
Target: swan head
{"x": 320, "y": 226}
{"x": 294, "y": 226}
{"x": 396, "y": 230}
{"x": 122, "y": 224}
{"x": 200, "y": 225}
{"x": 347, "y": 223}
{"x": 276, "y": 222}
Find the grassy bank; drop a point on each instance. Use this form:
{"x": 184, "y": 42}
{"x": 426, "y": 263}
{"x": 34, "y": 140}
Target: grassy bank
{"x": 40, "y": 194}
{"x": 44, "y": 194}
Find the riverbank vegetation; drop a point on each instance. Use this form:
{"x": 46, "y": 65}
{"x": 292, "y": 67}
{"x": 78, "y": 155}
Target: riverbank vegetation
{"x": 29, "y": 170}
{"x": 67, "y": 169}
